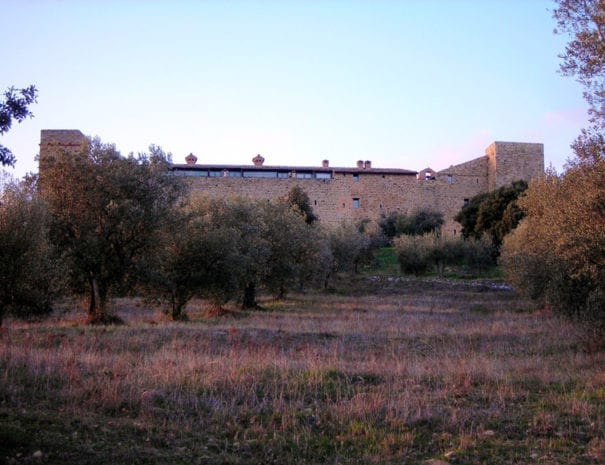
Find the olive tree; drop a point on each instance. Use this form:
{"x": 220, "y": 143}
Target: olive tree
{"x": 197, "y": 258}
{"x": 558, "y": 255}
{"x": 30, "y": 275}
{"x": 295, "y": 247}
{"x": 107, "y": 211}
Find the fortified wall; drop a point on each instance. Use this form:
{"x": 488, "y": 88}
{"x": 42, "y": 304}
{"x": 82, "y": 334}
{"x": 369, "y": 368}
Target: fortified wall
{"x": 350, "y": 193}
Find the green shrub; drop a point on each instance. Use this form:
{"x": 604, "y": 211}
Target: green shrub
{"x": 414, "y": 253}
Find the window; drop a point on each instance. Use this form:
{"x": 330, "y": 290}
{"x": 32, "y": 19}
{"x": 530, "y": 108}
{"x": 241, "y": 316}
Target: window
{"x": 216, "y": 174}
{"x": 235, "y": 174}
{"x": 450, "y": 178}
{"x": 300, "y": 175}
{"x": 355, "y": 178}
{"x": 193, "y": 173}
{"x": 465, "y": 201}
{"x": 355, "y": 203}
{"x": 323, "y": 175}
{"x": 283, "y": 174}
{"x": 260, "y": 174}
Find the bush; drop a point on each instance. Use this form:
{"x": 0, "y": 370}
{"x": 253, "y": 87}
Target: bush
{"x": 349, "y": 246}
{"x": 418, "y": 223}
{"x": 445, "y": 251}
{"x": 479, "y": 254}
{"x": 414, "y": 253}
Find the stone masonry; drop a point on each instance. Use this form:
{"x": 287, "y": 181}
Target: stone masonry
{"x": 353, "y": 193}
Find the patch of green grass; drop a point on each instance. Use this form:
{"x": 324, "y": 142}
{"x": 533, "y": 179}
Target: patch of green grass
{"x": 385, "y": 262}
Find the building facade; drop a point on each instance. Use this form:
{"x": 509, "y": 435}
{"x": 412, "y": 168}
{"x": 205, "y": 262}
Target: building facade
{"x": 349, "y": 193}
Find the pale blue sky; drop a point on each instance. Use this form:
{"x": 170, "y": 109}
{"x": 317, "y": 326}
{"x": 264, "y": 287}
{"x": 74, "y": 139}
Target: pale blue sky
{"x": 406, "y": 84}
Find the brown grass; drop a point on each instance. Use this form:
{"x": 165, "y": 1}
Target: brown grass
{"x": 387, "y": 372}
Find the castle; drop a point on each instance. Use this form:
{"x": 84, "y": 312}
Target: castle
{"x": 351, "y": 193}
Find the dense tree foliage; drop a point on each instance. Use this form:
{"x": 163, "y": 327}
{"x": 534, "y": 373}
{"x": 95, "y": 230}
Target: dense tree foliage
{"x": 29, "y": 273}
{"x": 417, "y": 223}
{"x": 348, "y": 247}
{"x": 107, "y": 211}
{"x": 494, "y": 213}
{"x": 197, "y": 258}
{"x": 584, "y": 56}
{"x": 558, "y": 255}
{"x": 221, "y": 249}
{"x": 295, "y": 250}
{"x": 14, "y": 107}
{"x": 413, "y": 253}
{"x": 299, "y": 200}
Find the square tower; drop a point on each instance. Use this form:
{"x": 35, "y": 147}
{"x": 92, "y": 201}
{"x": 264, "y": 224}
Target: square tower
{"x": 513, "y": 161}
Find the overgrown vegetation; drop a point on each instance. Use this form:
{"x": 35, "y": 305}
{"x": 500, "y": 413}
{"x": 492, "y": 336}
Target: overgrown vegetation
{"x": 29, "y": 269}
{"x": 562, "y": 263}
{"x": 385, "y": 370}
{"x": 419, "y": 255}
{"x": 557, "y": 254}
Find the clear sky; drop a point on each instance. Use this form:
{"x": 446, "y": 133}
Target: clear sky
{"x": 406, "y": 84}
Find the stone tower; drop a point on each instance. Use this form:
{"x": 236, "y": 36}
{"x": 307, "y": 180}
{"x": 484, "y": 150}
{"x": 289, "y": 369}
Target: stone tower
{"x": 53, "y": 141}
{"x": 513, "y": 161}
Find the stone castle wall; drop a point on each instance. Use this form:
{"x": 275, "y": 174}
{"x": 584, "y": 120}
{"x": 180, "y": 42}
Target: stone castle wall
{"x": 358, "y": 193}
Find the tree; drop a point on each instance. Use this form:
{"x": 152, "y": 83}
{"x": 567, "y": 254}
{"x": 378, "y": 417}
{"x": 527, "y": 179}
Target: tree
{"x": 294, "y": 247}
{"x": 348, "y": 246}
{"x": 558, "y": 256}
{"x": 419, "y": 222}
{"x": 107, "y": 211}
{"x": 584, "y": 56}
{"x": 495, "y": 213}
{"x": 298, "y": 199}
{"x": 197, "y": 258}
{"x": 29, "y": 272}
{"x": 252, "y": 248}
{"x": 445, "y": 251}
{"x": 414, "y": 253}
{"x": 14, "y": 107}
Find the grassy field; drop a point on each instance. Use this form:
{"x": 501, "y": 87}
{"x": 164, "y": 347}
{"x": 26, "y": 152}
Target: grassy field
{"x": 382, "y": 370}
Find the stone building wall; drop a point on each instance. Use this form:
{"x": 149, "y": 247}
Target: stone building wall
{"x": 360, "y": 192}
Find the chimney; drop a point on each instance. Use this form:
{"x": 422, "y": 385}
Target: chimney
{"x": 258, "y": 160}
{"x": 368, "y": 165}
{"x": 191, "y": 159}
{"x": 360, "y": 164}
{"x": 325, "y": 163}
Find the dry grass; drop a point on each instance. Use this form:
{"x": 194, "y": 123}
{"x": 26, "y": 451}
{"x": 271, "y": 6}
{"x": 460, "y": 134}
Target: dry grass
{"x": 386, "y": 372}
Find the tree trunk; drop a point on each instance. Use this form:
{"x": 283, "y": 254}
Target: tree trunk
{"x": 282, "y": 292}
{"x": 97, "y": 307}
{"x": 178, "y": 305}
{"x": 249, "y": 297}
{"x": 94, "y": 301}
